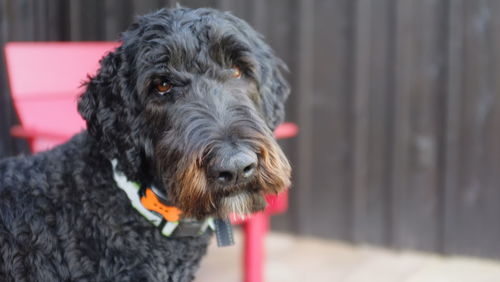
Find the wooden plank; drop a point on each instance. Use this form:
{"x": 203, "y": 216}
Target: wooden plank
{"x": 6, "y": 142}
{"x": 87, "y": 20}
{"x": 237, "y": 7}
{"x": 21, "y": 15}
{"x": 371, "y": 122}
{"x": 493, "y": 141}
{"x": 452, "y": 146}
{"x": 477, "y": 207}
{"x": 259, "y": 15}
{"x": 38, "y": 10}
{"x": 56, "y": 22}
{"x": 361, "y": 213}
{"x": 401, "y": 133}
{"x": 76, "y": 22}
{"x": 417, "y": 133}
{"x": 4, "y": 22}
{"x": 91, "y": 20}
{"x": 118, "y": 16}
{"x": 301, "y": 193}
{"x": 377, "y": 216}
{"x": 8, "y": 145}
{"x": 281, "y": 28}
{"x": 280, "y": 34}
{"x": 199, "y": 3}
{"x": 141, "y": 7}
{"x": 224, "y": 5}
{"x": 330, "y": 116}
{"x": 170, "y": 3}
{"x": 50, "y": 20}
{"x": 472, "y": 225}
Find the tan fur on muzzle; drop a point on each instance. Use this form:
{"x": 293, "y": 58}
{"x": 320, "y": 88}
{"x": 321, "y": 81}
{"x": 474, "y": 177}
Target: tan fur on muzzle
{"x": 196, "y": 198}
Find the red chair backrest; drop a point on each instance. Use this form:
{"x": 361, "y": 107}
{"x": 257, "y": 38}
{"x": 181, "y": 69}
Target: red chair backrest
{"x": 45, "y": 79}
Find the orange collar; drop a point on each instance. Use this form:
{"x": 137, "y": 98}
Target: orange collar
{"x": 152, "y": 202}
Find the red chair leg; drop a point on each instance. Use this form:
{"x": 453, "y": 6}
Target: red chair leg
{"x": 255, "y": 230}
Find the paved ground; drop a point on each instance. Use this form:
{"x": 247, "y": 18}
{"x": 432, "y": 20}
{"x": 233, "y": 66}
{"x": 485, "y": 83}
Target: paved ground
{"x": 294, "y": 259}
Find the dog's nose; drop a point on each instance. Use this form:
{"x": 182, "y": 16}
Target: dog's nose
{"x": 235, "y": 169}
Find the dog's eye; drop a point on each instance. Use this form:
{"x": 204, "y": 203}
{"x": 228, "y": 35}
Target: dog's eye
{"x": 236, "y": 72}
{"x": 163, "y": 87}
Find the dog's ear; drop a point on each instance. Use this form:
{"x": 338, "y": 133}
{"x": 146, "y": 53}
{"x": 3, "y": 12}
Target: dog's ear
{"x": 274, "y": 90}
{"x": 93, "y": 104}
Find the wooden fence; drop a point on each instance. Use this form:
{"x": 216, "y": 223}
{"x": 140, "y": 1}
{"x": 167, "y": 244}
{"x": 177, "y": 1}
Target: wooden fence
{"x": 397, "y": 100}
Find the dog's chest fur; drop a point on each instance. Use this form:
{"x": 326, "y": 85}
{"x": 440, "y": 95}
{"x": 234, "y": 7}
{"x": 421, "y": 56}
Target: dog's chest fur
{"x": 81, "y": 227}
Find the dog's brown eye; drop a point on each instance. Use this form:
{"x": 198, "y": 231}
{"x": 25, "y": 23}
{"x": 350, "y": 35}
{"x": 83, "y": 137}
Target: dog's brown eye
{"x": 236, "y": 72}
{"x": 163, "y": 87}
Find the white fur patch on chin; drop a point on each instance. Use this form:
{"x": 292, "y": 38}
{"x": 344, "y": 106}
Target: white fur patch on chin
{"x": 238, "y": 205}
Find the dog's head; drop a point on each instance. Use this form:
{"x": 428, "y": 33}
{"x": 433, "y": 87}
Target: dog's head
{"x": 188, "y": 102}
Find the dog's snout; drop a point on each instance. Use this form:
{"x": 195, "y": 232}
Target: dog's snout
{"x": 235, "y": 168}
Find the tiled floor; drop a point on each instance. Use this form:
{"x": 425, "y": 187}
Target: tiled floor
{"x": 294, "y": 259}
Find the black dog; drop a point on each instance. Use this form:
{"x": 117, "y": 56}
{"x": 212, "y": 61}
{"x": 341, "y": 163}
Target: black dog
{"x": 186, "y": 105}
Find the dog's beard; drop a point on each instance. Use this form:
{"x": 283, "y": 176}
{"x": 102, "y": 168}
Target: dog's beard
{"x": 241, "y": 204}
{"x": 197, "y": 196}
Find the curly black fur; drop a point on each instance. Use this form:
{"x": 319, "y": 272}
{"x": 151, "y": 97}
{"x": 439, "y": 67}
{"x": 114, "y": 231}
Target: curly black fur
{"x": 62, "y": 217}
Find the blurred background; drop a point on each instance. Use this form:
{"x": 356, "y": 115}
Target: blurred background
{"x": 397, "y": 102}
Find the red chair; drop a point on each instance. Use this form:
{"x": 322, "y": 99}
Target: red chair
{"x": 45, "y": 79}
